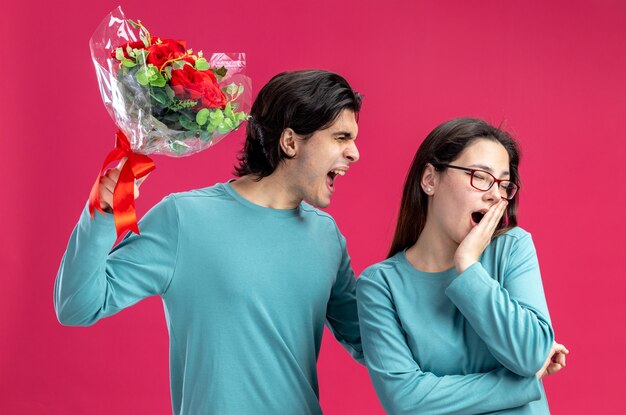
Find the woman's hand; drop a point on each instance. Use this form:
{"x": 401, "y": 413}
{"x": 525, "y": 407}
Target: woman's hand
{"x": 108, "y": 183}
{"x": 554, "y": 362}
{"x": 479, "y": 237}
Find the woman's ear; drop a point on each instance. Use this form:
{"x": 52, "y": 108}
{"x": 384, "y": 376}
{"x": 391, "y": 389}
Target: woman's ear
{"x": 288, "y": 142}
{"x": 429, "y": 180}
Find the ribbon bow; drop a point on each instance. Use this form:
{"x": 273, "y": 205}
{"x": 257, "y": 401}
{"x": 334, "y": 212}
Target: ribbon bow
{"x": 137, "y": 166}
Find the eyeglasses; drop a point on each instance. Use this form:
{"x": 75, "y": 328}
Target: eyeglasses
{"x": 482, "y": 180}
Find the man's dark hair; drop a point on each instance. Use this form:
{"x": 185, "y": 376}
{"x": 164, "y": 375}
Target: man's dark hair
{"x": 305, "y": 101}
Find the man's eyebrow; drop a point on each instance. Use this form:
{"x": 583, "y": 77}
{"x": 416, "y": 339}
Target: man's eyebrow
{"x": 490, "y": 170}
{"x": 346, "y": 134}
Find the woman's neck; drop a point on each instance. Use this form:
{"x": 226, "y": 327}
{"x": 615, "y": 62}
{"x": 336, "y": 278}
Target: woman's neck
{"x": 433, "y": 251}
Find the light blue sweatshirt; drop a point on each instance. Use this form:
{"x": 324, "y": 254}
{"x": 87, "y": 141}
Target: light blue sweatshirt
{"x": 246, "y": 292}
{"x": 442, "y": 343}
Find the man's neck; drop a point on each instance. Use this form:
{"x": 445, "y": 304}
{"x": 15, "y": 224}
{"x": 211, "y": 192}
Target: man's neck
{"x": 272, "y": 191}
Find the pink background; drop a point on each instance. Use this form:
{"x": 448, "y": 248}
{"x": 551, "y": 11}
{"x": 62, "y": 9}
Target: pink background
{"x": 552, "y": 72}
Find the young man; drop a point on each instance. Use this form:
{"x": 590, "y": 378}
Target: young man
{"x": 248, "y": 272}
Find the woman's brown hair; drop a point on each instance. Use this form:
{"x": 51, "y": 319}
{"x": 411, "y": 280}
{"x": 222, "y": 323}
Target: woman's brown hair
{"x": 442, "y": 146}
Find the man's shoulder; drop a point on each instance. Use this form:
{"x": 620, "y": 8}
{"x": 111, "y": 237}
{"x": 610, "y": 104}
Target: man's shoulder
{"x": 315, "y": 213}
{"x": 206, "y": 193}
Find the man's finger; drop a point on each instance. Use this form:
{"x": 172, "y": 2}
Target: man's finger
{"x": 113, "y": 174}
{"x": 121, "y": 163}
{"x": 107, "y": 183}
{"x": 139, "y": 181}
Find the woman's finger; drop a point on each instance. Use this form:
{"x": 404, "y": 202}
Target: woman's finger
{"x": 553, "y": 368}
{"x": 493, "y": 217}
{"x": 559, "y": 358}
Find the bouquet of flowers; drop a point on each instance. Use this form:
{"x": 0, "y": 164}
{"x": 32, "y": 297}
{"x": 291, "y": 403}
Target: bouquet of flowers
{"x": 165, "y": 100}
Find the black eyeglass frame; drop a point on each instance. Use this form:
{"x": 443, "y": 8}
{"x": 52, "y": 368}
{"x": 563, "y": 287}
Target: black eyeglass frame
{"x": 495, "y": 180}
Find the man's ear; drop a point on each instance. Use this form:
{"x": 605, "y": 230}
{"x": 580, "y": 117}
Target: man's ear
{"x": 429, "y": 180}
{"x": 288, "y": 142}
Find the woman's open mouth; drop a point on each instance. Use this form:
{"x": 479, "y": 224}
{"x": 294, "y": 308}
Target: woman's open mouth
{"x": 478, "y": 216}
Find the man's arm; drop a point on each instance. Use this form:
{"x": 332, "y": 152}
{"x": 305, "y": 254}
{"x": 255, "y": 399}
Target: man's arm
{"x": 341, "y": 314}
{"x": 93, "y": 283}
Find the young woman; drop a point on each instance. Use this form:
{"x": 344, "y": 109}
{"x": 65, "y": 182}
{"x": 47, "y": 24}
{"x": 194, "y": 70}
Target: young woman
{"x": 455, "y": 320}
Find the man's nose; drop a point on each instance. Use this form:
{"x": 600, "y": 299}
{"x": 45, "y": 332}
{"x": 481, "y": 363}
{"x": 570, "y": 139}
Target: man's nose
{"x": 352, "y": 152}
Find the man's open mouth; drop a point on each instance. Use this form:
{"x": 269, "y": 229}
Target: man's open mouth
{"x": 330, "y": 179}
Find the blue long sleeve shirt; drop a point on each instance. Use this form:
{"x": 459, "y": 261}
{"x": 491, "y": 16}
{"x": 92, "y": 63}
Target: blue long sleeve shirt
{"x": 246, "y": 290}
{"x": 442, "y": 343}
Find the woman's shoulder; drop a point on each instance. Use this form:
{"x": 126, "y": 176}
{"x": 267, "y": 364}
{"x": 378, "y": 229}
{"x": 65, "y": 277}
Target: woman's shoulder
{"x": 516, "y": 233}
{"x": 513, "y": 237}
{"x": 379, "y": 271}
{"x": 512, "y": 244}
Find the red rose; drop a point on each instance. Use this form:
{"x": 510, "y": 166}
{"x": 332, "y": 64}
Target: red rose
{"x": 159, "y": 53}
{"x": 188, "y": 83}
{"x": 133, "y": 45}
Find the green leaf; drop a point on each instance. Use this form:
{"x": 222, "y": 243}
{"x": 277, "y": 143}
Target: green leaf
{"x": 241, "y": 117}
{"x": 221, "y": 72}
{"x": 202, "y": 116}
{"x": 143, "y": 35}
{"x": 228, "y": 110}
{"x": 202, "y": 64}
{"x": 119, "y": 54}
{"x": 231, "y": 89}
{"x": 142, "y": 76}
{"x": 132, "y": 23}
{"x": 188, "y": 123}
{"x": 240, "y": 90}
{"x": 170, "y": 116}
{"x": 128, "y": 63}
{"x": 168, "y": 72}
{"x": 158, "y": 80}
{"x": 205, "y": 136}
{"x": 160, "y": 96}
{"x": 178, "y": 64}
{"x": 169, "y": 91}
{"x": 223, "y": 128}
{"x": 152, "y": 70}
{"x": 176, "y": 147}
{"x": 216, "y": 116}
{"x": 140, "y": 55}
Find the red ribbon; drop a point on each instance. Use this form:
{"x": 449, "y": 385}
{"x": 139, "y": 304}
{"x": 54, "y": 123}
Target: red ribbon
{"x": 136, "y": 167}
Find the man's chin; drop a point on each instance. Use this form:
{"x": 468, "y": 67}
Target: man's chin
{"x": 318, "y": 203}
